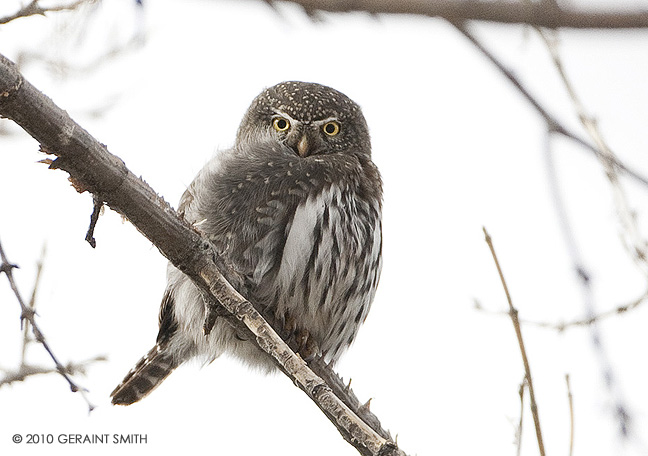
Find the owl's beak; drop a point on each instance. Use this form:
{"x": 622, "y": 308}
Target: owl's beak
{"x": 303, "y": 146}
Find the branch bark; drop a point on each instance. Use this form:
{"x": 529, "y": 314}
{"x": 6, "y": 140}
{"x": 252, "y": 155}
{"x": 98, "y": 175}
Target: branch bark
{"x": 513, "y": 313}
{"x": 28, "y": 318}
{"x": 92, "y": 168}
{"x": 544, "y": 13}
{"x": 34, "y": 9}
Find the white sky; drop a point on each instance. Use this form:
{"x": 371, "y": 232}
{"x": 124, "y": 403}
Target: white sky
{"x": 458, "y": 149}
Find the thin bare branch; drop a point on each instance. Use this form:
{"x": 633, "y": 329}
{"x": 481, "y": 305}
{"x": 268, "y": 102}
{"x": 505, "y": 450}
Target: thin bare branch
{"x": 561, "y": 326}
{"x": 513, "y": 313}
{"x": 28, "y": 370}
{"x": 94, "y": 217}
{"x": 570, "y": 400}
{"x": 545, "y": 13}
{"x": 28, "y": 315}
{"x": 32, "y": 306}
{"x": 635, "y": 243}
{"x": 552, "y": 123}
{"x": 518, "y": 432}
{"x": 589, "y": 302}
{"x": 33, "y": 9}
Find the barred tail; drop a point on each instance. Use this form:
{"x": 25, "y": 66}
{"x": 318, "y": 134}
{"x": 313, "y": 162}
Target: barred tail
{"x": 147, "y": 374}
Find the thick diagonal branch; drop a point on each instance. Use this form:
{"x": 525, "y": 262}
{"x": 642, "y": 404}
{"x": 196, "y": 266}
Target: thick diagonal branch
{"x": 92, "y": 168}
{"x": 544, "y": 13}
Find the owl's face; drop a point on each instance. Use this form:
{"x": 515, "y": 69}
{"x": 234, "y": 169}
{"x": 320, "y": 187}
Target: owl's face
{"x": 311, "y": 119}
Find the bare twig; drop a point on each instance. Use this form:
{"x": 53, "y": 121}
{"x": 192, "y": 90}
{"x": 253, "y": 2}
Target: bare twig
{"x": 634, "y": 242}
{"x": 545, "y": 13}
{"x": 28, "y": 315}
{"x": 92, "y": 168}
{"x": 94, "y": 217}
{"x": 518, "y": 332}
{"x": 27, "y": 370}
{"x": 552, "y": 123}
{"x": 561, "y": 326}
{"x": 584, "y": 278}
{"x": 612, "y": 165}
{"x": 518, "y": 432}
{"x": 33, "y": 8}
{"x": 570, "y": 400}
{"x": 32, "y": 306}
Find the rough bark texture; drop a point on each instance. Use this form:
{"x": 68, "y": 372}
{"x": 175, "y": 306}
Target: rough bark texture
{"x": 545, "y": 13}
{"x": 92, "y": 168}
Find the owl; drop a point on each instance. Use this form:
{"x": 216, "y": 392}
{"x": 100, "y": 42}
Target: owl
{"x": 294, "y": 209}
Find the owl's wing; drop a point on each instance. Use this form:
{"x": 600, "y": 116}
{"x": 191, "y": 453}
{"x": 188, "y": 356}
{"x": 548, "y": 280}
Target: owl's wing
{"x": 188, "y": 209}
{"x": 192, "y": 196}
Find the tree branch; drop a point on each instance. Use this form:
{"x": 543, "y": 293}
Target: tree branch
{"x": 92, "y": 168}
{"x": 562, "y": 325}
{"x": 513, "y": 313}
{"x": 570, "y": 400}
{"x": 33, "y": 8}
{"x": 553, "y": 124}
{"x": 588, "y": 296}
{"x": 544, "y": 13}
{"x": 633, "y": 240}
{"x": 28, "y": 316}
{"x": 28, "y": 370}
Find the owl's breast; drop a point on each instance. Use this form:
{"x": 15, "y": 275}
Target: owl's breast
{"x": 305, "y": 233}
{"x": 330, "y": 266}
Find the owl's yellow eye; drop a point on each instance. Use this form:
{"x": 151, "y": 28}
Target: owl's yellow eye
{"x": 331, "y": 128}
{"x": 281, "y": 124}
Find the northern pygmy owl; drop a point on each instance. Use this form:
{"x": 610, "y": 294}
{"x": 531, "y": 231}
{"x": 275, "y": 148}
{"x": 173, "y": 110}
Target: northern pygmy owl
{"x": 294, "y": 208}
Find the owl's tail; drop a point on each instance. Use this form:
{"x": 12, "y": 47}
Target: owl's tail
{"x": 147, "y": 374}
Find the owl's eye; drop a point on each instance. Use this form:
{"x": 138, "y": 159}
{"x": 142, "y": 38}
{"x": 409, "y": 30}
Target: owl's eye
{"x": 281, "y": 124}
{"x": 331, "y": 128}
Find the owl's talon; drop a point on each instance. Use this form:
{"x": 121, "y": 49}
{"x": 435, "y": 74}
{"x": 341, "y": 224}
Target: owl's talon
{"x": 210, "y": 320}
{"x": 306, "y": 345}
{"x": 300, "y": 338}
{"x": 289, "y": 328}
{"x": 310, "y": 351}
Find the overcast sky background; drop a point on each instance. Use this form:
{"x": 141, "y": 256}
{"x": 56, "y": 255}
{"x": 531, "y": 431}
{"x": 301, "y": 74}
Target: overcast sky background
{"x": 458, "y": 149}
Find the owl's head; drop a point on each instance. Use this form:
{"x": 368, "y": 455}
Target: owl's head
{"x": 311, "y": 119}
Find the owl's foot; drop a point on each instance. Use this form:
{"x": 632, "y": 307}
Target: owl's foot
{"x": 306, "y": 345}
{"x": 289, "y": 328}
{"x": 299, "y": 339}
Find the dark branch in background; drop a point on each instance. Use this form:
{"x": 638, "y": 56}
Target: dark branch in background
{"x": 33, "y": 8}
{"x": 32, "y": 306}
{"x": 634, "y": 242}
{"x": 543, "y": 13}
{"x": 612, "y": 166}
{"x": 28, "y": 370}
{"x": 94, "y": 217}
{"x": 552, "y": 123}
{"x": 513, "y": 313}
{"x": 584, "y": 278}
{"x": 561, "y": 326}
{"x": 92, "y": 168}
{"x": 28, "y": 317}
